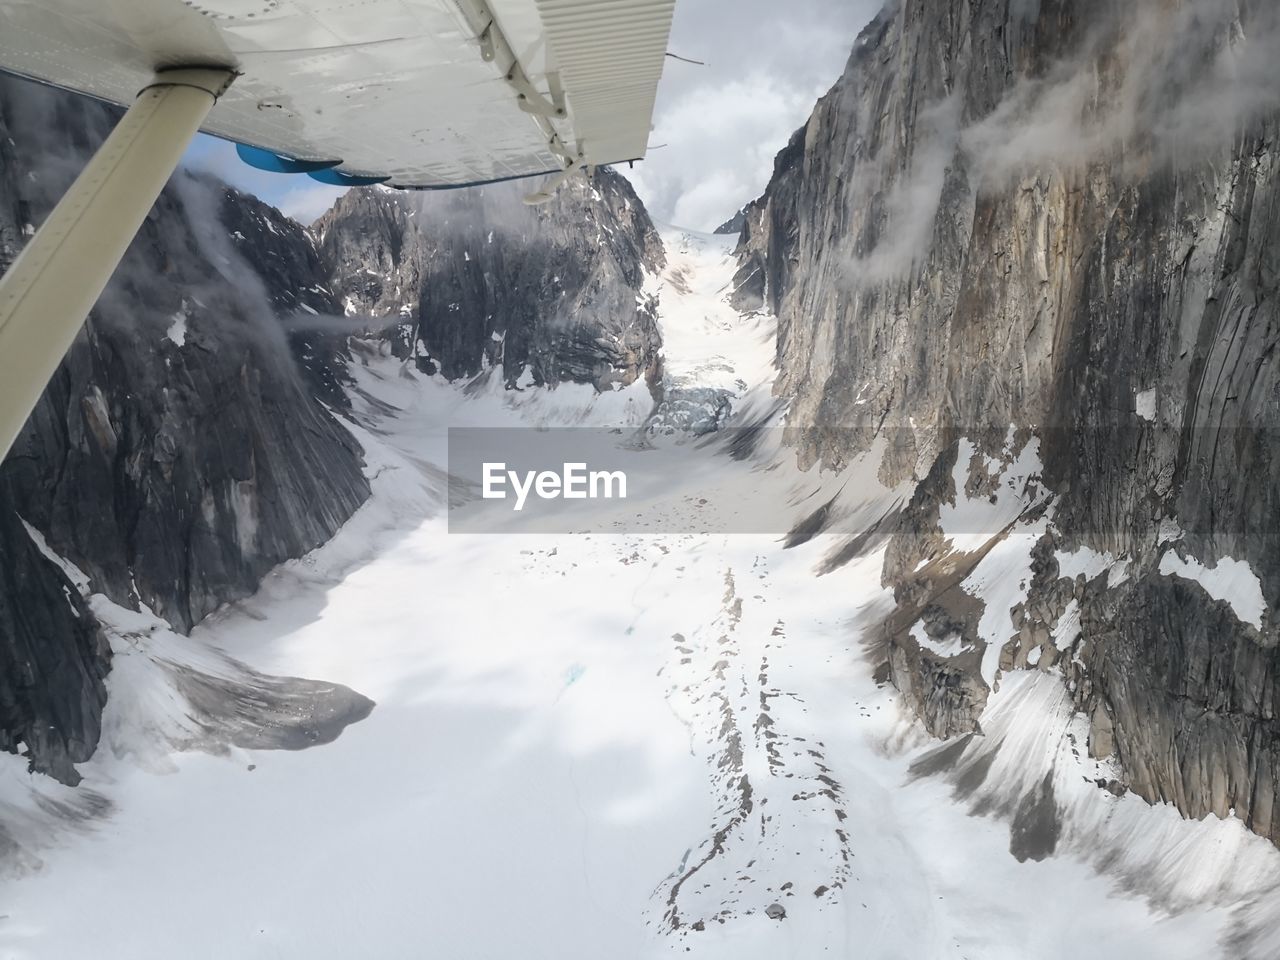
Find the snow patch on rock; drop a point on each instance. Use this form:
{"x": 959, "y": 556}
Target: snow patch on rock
{"x": 1232, "y": 581}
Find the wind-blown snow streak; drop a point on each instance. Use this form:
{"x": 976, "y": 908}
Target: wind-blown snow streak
{"x": 1031, "y": 765}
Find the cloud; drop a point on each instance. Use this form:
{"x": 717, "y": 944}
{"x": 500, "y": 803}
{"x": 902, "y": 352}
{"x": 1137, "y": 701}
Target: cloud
{"x": 308, "y": 200}
{"x": 1148, "y": 85}
{"x": 910, "y": 206}
{"x": 719, "y": 145}
{"x": 1162, "y": 85}
{"x": 723, "y": 123}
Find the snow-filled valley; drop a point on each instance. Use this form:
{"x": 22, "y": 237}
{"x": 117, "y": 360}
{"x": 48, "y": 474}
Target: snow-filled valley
{"x": 623, "y": 745}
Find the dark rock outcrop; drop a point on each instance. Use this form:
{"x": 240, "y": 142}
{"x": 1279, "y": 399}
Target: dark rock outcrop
{"x": 180, "y": 451}
{"x": 467, "y": 279}
{"x": 733, "y": 226}
{"x": 296, "y": 282}
{"x": 53, "y": 659}
{"x": 184, "y": 447}
{"x": 1062, "y": 218}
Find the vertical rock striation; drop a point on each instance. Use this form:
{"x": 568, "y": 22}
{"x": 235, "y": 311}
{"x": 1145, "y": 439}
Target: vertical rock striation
{"x": 471, "y": 279}
{"x": 1055, "y": 227}
{"x": 180, "y": 451}
{"x": 187, "y": 445}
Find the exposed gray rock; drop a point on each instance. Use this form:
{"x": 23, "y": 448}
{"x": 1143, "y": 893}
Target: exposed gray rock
{"x": 467, "y": 279}
{"x": 184, "y": 449}
{"x": 693, "y": 410}
{"x": 180, "y": 451}
{"x": 296, "y": 279}
{"x": 733, "y": 226}
{"x": 53, "y": 660}
{"x": 1059, "y": 216}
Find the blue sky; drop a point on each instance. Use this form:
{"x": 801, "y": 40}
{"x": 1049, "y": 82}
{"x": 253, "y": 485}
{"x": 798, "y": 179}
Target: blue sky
{"x": 298, "y": 196}
{"x": 716, "y": 127}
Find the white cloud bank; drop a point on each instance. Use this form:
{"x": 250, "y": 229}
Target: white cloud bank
{"x": 718, "y": 127}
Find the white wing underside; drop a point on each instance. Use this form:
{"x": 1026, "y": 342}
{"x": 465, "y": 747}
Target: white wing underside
{"x": 393, "y": 88}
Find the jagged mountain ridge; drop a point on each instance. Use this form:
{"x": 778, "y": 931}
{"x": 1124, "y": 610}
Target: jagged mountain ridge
{"x": 184, "y": 447}
{"x": 1056, "y": 223}
{"x": 477, "y": 278}
{"x": 177, "y": 455}
{"x": 1113, "y": 585}
{"x": 1122, "y": 240}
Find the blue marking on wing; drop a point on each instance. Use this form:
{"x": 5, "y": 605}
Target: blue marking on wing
{"x": 261, "y": 159}
{"x": 337, "y": 178}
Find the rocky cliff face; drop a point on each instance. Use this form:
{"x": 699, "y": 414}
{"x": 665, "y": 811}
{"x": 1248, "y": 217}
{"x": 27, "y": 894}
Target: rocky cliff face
{"x": 184, "y": 447}
{"x": 180, "y": 451}
{"x": 1036, "y": 247}
{"x": 468, "y": 279}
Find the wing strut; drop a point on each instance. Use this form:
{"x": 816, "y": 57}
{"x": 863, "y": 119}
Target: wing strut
{"x": 50, "y": 288}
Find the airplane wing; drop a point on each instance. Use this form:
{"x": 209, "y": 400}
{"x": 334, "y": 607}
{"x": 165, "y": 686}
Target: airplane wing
{"x": 424, "y": 93}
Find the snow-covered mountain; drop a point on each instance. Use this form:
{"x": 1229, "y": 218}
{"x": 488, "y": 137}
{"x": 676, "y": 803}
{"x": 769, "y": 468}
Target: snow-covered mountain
{"x": 475, "y": 279}
{"x": 192, "y": 439}
{"x": 181, "y": 451}
{"x": 943, "y": 625}
{"x": 635, "y": 744}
